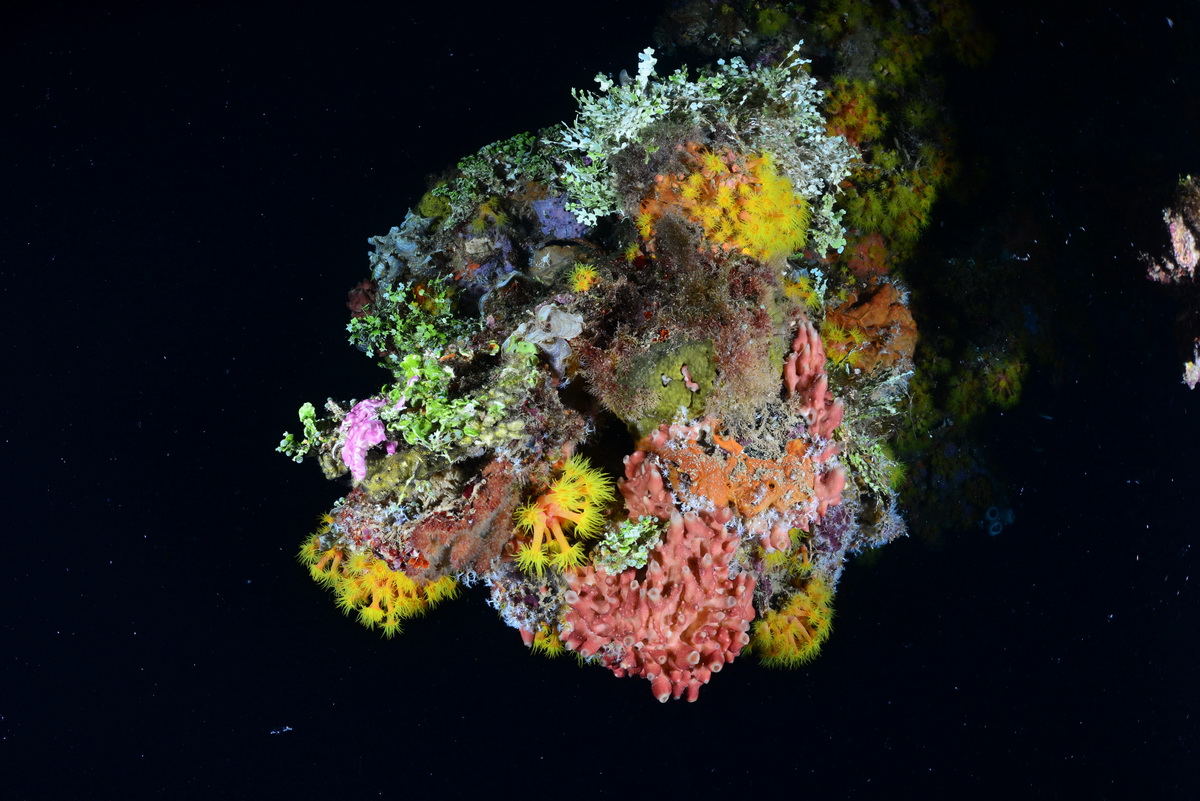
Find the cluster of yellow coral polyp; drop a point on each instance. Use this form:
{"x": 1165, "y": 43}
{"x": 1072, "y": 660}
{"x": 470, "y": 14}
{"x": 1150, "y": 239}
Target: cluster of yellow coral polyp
{"x": 676, "y": 621}
{"x": 573, "y": 501}
{"x": 853, "y": 112}
{"x": 383, "y": 597}
{"x": 793, "y": 635}
{"x": 743, "y": 204}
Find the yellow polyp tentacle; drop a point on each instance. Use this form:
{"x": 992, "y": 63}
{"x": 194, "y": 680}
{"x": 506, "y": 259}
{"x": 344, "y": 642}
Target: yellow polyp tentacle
{"x": 405, "y": 585}
{"x": 346, "y": 601}
{"x": 590, "y": 523}
{"x": 560, "y": 539}
{"x": 310, "y": 550}
{"x": 532, "y": 517}
{"x": 571, "y": 557}
{"x": 326, "y": 569}
{"x": 546, "y": 642}
{"x": 802, "y": 631}
{"x": 358, "y": 564}
{"x": 410, "y": 607}
{"x": 559, "y": 501}
{"x": 444, "y": 587}
{"x": 371, "y": 614}
{"x": 531, "y": 560}
{"x": 322, "y": 561}
{"x": 594, "y": 486}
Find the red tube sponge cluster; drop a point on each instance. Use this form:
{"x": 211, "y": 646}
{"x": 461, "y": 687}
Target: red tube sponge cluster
{"x": 675, "y": 621}
{"x": 805, "y": 378}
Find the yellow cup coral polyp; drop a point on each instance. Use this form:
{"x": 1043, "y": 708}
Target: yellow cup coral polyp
{"x": 574, "y": 502}
{"x": 584, "y": 277}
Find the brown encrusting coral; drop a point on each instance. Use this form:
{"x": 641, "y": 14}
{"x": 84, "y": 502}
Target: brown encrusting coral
{"x": 471, "y": 534}
{"x": 874, "y": 329}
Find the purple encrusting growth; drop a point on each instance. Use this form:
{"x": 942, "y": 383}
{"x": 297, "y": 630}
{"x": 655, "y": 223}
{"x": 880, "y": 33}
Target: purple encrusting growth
{"x": 556, "y": 221}
{"x": 492, "y": 265}
{"x": 501, "y": 263}
{"x": 835, "y": 528}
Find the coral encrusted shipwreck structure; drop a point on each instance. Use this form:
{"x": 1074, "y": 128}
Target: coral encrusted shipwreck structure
{"x": 635, "y": 390}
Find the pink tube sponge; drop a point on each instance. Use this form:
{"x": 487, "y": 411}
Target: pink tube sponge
{"x": 805, "y": 379}
{"x": 675, "y": 621}
{"x": 643, "y": 489}
{"x": 363, "y": 432}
